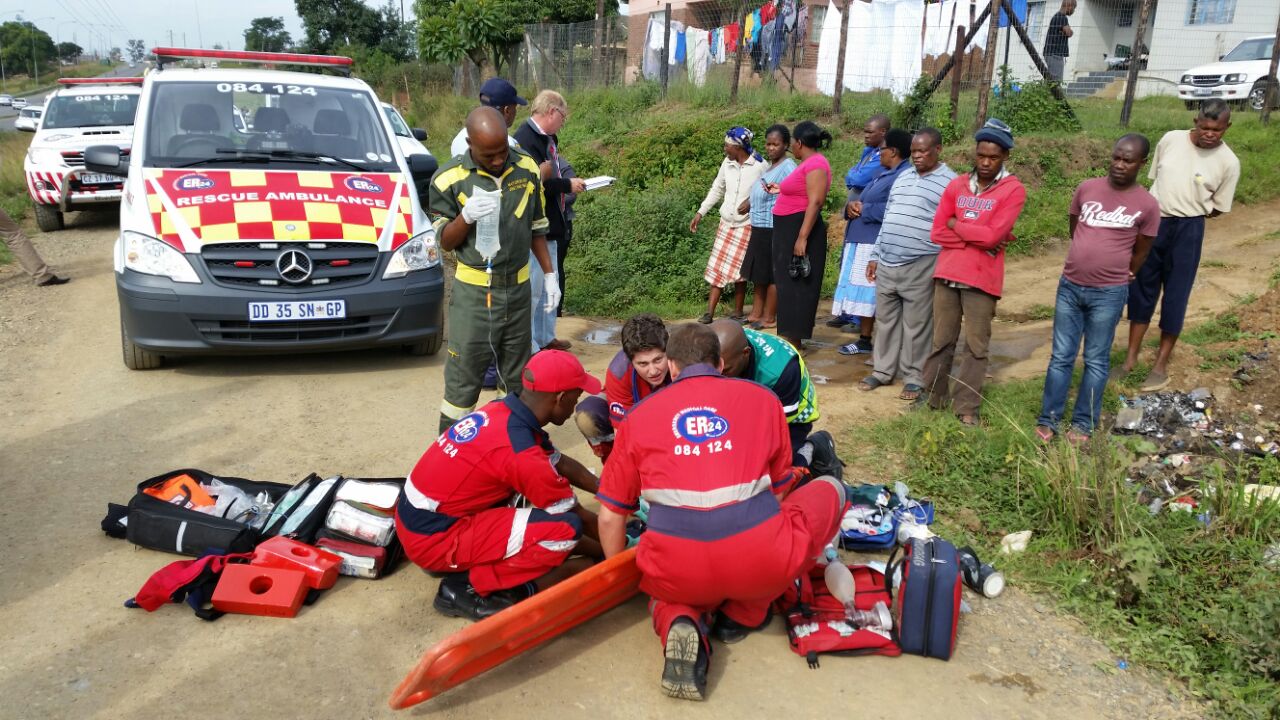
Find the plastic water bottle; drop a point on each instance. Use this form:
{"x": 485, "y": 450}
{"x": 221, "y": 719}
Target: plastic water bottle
{"x": 840, "y": 583}
{"x": 487, "y": 241}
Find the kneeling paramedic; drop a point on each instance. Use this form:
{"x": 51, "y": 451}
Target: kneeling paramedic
{"x": 712, "y": 457}
{"x": 637, "y": 371}
{"x": 774, "y": 363}
{"x": 455, "y": 515}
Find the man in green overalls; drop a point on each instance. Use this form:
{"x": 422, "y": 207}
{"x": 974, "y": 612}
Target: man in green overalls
{"x": 490, "y": 304}
{"x": 772, "y": 362}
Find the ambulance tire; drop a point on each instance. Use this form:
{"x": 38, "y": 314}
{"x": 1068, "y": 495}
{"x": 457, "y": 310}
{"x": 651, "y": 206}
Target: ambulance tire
{"x": 48, "y": 218}
{"x": 135, "y": 358}
{"x": 430, "y": 346}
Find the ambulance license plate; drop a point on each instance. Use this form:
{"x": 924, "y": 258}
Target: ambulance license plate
{"x": 298, "y": 310}
{"x": 93, "y": 179}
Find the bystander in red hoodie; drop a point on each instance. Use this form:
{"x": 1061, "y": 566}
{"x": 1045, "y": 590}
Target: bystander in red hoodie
{"x": 973, "y": 252}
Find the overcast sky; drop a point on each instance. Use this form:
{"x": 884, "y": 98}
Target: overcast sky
{"x": 203, "y": 22}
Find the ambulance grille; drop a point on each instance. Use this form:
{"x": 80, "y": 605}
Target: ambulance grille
{"x": 334, "y": 264}
{"x": 286, "y": 333}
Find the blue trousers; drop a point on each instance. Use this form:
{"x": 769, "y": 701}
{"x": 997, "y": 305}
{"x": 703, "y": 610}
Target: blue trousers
{"x": 544, "y": 318}
{"x": 1091, "y": 313}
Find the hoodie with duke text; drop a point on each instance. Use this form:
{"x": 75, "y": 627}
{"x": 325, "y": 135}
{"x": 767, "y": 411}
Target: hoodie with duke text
{"x": 973, "y": 251}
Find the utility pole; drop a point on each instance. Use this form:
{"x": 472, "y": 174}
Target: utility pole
{"x": 1273, "y": 93}
{"x": 199, "y": 31}
{"x": 35, "y": 75}
{"x": 1135, "y": 59}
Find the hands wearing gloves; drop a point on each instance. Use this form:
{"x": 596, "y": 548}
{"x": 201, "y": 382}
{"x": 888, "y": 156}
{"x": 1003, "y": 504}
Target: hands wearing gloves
{"x": 480, "y": 205}
{"x": 551, "y": 290}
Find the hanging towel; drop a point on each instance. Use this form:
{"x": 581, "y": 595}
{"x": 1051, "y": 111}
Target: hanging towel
{"x": 755, "y": 27}
{"x": 731, "y": 38}
{"x": 680, "y": 47}
{"x": 698, "y": 43}
{"x": 768, "y": 10}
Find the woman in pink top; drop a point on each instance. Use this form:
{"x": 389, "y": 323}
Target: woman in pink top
{"x": 799, "y": 233}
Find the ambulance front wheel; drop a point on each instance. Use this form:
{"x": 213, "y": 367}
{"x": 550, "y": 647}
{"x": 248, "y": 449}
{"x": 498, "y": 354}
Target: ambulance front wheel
{"x": 136, "y": 358}
{"x": 48, "y": 218}
{"x": 430, "y": 346}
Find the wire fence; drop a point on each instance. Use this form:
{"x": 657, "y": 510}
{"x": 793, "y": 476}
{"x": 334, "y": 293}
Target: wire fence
{"x": 573, "y": 55}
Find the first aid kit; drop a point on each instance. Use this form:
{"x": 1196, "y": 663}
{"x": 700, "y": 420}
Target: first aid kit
{"x": 873, "y": 520}
{"x": 163, "y": 516}
{"x": 818, "y": 622}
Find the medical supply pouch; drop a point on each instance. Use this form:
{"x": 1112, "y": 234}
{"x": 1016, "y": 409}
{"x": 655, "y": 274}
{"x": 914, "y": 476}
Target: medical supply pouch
{"x": 871, "y": 523}
{"x": 926, "y": 608}
{"x": 154, "y": 523}
{"x": 816, "y": 620}
{"x": 359, "y": 559}
{"x": 364, "y": 499}
{"x": 301, "y": 511}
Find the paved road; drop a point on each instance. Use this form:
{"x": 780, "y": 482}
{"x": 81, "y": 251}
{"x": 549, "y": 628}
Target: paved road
{"x": 7, "y": 114}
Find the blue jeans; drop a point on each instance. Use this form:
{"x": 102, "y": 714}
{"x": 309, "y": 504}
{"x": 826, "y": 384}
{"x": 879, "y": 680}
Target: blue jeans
{"x": 544, "y": 318}
{"x": 1092, "y": 312}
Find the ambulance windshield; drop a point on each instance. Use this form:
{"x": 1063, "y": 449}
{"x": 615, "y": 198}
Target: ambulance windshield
{"x": 91, "y": 110}
{"x": 288, "y": 125}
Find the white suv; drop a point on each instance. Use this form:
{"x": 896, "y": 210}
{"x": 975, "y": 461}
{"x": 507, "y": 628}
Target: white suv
{"x": 1240, "y": 76}
{"x": 82, "y": 112}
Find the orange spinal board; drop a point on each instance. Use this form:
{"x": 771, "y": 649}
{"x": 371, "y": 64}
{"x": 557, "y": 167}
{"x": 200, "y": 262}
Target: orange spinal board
{"x": 527, "y": 624}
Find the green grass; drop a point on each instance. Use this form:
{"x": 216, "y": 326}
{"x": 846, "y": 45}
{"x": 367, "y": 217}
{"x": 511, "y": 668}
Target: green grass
{"x": 1165, "y": 590}
{"x": 1040, "y": 312}
{"x": 1215, "y": 264}
{"x": 49, "y": 74}
{"x": 13, "y": 184}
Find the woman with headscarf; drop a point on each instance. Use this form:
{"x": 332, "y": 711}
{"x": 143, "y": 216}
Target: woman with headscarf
{"x": 757, "y": 268}
{"x": 739, "y": 172}
{"x": 800, "y": 234}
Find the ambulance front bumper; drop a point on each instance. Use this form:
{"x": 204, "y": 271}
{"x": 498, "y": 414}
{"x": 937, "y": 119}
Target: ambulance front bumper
{"x": 173, "y": 318}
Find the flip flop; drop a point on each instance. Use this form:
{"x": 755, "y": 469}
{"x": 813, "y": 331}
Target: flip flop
{"x": 1155, "y": 381}
{"x": 1044, "y": 433}
{"x": 969, "y": 420}
{"x": 870, "y": 383}
{"x": 910, "y": 392}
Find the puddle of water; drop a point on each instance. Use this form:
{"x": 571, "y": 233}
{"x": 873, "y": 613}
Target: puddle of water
{"x": 607, "y": 335}
{"x": 819, "y": 379}
{"x": 1011, "y": 681}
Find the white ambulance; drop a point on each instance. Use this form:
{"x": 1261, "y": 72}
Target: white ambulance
{"x": 80, "y": 113}
{"x": 300, "y": 230}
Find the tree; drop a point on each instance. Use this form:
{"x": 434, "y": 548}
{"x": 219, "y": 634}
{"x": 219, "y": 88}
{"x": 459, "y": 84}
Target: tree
{"x": 115, "y": 54}
{"x": 136, "y": 49}
{"x": 69, "y": 51}
{"x": 267, "y": 34}
{"x": 17, "y": 38}
{"x": 330, "y": 24}
{"x": 486, "y": 31}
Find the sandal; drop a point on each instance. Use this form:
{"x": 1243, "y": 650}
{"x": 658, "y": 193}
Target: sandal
{"x": 910, "y": 392}
{"x": 705, "y": 319}
{"x": 970, "y": 420}
{"x": 870, "y": 383}
{"x": 1044, "y": 433}
{"x": 1076, "y": 437}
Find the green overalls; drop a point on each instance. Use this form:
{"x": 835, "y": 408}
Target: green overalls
{"x": 489, "y": 311}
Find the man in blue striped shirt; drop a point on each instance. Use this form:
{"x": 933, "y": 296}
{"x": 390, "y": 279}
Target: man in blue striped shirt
{"x": 901, "y": 266}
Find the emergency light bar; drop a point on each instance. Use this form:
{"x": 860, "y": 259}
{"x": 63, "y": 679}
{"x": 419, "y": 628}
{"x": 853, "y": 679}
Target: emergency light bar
{"x": 101, "y": 81}
{"x": 334, "y": 62}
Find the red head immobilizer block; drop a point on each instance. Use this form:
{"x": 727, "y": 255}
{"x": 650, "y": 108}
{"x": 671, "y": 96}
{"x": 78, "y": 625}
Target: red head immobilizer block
{"x": 527, "y": 624}
{"x": 258, "y": 590}
{"x": 320, "y": 566}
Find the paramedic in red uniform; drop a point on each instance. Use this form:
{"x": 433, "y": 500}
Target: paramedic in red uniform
{"x": 455, "y": 515}
{"x": 639, "y": 369}
{"x": 712, "y": 456}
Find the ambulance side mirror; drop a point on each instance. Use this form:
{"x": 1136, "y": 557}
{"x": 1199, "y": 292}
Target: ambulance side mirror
{"x": 106, "y": 159}
{"x": 419, "y": 134}
{"x": 421, "y": 168}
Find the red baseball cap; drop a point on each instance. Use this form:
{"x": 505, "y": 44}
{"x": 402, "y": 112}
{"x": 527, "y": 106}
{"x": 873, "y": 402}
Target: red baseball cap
{"x": 555, "y": 371}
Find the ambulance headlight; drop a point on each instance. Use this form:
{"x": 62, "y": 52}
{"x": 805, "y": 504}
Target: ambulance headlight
{"x": 149, "y": 256}
{"x": 420, "y": 253}
{"x": 44, "y": 157}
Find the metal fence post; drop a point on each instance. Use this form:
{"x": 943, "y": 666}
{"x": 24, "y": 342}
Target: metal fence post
{"x": 1135, "y": 60}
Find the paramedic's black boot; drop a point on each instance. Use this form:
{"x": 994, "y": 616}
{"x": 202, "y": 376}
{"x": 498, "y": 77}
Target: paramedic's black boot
{"x": 824, "y": 460}
{"x": 730, "y": 631}
{"x": 684, "y": 676}
{"x": 501, "y": 600}
{"x": 456, "y": 597}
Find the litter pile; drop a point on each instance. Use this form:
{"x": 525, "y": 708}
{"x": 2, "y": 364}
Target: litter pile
{"x": 1183, "y": 434}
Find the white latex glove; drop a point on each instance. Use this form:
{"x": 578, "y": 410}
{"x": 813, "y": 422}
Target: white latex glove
{"x": 477, "y": 207}
{"x": 551, "y": 288}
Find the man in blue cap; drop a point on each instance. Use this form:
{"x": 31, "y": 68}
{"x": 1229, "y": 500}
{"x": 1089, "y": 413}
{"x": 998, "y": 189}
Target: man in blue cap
{"x": 500, "y": 95}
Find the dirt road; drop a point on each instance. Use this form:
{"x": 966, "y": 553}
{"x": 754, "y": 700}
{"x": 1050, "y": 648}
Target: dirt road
{"x": 81, "y": 430}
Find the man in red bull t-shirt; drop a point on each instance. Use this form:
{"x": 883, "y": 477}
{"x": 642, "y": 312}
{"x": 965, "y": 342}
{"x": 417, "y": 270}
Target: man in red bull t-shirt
{"x": 455, "y": 515}
{"x": 712, "y": 456}
{"x": 639, "y": 369}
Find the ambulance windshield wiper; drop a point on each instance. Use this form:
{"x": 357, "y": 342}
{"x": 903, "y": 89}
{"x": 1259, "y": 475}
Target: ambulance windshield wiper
{"x": 260, "y": 156}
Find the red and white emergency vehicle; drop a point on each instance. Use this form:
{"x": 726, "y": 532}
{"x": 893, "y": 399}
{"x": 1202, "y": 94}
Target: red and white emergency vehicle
{"x": 300, "y": 230}
{"x": 80, "y": 113}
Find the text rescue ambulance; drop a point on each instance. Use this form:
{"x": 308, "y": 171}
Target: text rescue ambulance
{"x": 301, "y": 230}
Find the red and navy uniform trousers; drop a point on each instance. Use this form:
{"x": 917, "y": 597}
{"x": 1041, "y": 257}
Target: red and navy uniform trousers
{"x": 454, "y": 515}
{"x": 713, "y": 458}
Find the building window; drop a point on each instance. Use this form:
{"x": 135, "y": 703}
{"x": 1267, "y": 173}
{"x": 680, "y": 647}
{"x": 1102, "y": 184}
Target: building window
{"x": 1124, "y": 16}
{"x": 1035, "y": 18}
{"x": 817, "y": 14}
{"x": 1211, "y": 12}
